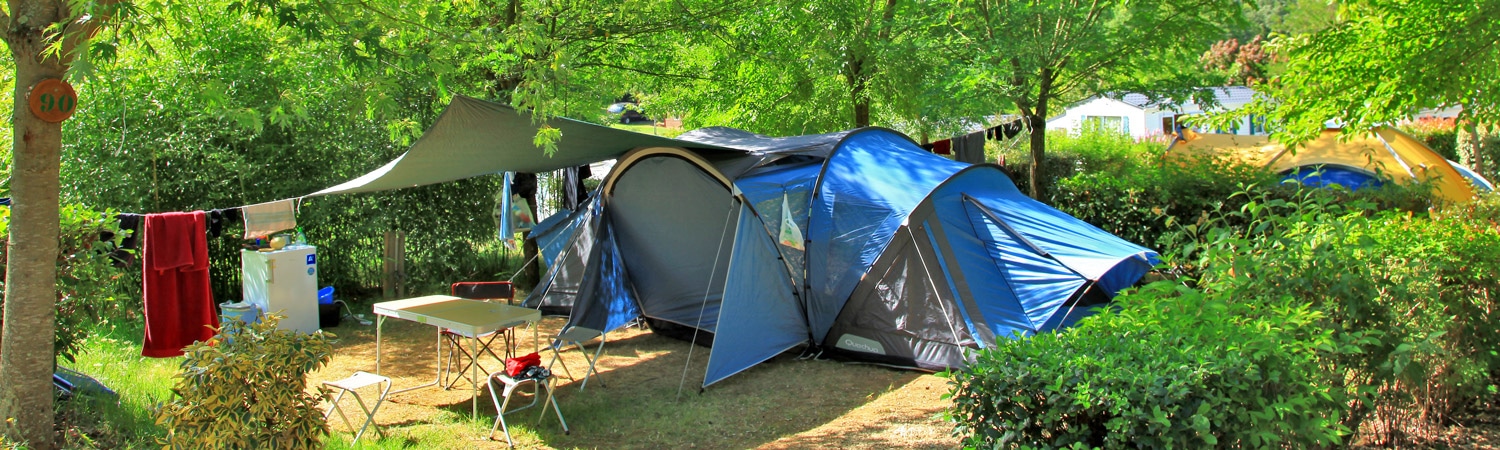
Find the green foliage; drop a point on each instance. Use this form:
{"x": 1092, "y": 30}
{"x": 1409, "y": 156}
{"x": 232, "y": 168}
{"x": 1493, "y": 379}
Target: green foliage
{"x": 1406, "y": 298}
{"x": 274, "y": 114}
{"x": 1375, "y": 310}
{"x": 1172, "y": 368}
{"x": 1449, "y": 273}
{"x": 1061, "y": 52}
{"x": 1124, "y": 187}
{"x": 1271, "y": 17}
{"x": 245, "y": 389}
{"x": 811, "y": 66}
{"x": 1384, "y": 61}
{"x": 90, "y": 289}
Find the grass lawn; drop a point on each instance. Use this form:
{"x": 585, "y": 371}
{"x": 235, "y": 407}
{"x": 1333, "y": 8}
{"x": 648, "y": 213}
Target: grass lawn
{"x": 113, "y": 356}
{"x": 783, "y": 403}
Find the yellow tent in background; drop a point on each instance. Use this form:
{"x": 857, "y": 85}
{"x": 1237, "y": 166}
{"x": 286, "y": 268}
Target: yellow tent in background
{"x": 1384, "y": 154}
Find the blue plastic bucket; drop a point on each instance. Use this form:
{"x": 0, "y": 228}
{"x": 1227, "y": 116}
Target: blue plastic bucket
{"x": 325, "y": 296}
{"x": 244, "y": 312}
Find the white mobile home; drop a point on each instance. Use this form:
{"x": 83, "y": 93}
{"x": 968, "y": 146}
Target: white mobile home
{"x": 1140, "y": 117}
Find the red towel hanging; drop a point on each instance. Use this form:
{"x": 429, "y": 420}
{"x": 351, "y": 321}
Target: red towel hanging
{"x": 179, "y": 301}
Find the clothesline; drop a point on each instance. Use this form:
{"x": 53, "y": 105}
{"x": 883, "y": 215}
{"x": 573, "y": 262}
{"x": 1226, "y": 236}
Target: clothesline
{"x": 969, "y": 147}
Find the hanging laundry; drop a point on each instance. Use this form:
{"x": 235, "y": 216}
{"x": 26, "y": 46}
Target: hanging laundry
{"x": 1004, "y": 131}
{"x": 262, "y": 219}
{"x": 969, "y": 148}
{"x": 505, "y": 223}
{"x": 524, "y": 185}
{"x": 943, "y": 147}
{"x": 571, "y": 184}
{"x": 124, "y": 254}
{"x": 584, "y": 172}
{"x": 179, "y": 304}
{"x": 219, "y": 217}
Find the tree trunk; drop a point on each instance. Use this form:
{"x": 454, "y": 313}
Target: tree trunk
{"x": 861, "y": 106}
{"x": 1037, "y": 130}
{"x": 1036, "y": 120}
{"x": 858, "y": 82}
{"x": 1037, "y": 125}
{"x": 861, "y": 67}
{"x": 532, "y": 272}
{"x": 30, "y": 312}
{"x": 1479, "y": 148}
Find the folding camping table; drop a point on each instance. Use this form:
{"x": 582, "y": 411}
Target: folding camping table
{"x": 468, "y": 317}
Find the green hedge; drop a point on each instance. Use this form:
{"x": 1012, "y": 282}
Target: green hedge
{"x": 1168, "y": 370}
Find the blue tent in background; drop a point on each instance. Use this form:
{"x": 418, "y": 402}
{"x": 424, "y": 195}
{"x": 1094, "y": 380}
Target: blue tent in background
{"x": 905, "y": 257}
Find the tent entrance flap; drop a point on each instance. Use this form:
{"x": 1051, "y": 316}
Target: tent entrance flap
{"x": 558, "y": 290}
{"x": 898, "y": 314}
{"x": 605, "y": 300}
{"x": 760, "y": 317}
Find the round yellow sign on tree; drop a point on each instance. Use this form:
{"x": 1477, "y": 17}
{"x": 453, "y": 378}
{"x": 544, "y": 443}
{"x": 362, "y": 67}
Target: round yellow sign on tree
{"x": 52, "y": 100}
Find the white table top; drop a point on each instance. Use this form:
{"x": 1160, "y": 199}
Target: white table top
{"x": 471, "y": 317}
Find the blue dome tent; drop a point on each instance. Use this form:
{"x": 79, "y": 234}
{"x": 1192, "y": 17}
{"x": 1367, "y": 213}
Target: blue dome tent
{"x": 908, "y": 258}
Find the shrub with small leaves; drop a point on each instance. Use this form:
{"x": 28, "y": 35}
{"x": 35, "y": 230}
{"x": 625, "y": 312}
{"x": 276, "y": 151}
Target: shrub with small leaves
{"x": 1171, "y": 368}
{"x": 246, "y": 389}
{"x": 91, "y": 290}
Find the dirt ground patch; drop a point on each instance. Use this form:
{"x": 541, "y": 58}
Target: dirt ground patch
{"x": 784, "y": 403}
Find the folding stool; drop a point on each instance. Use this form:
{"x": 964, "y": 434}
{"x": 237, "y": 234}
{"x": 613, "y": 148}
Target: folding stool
{"x": 576, "y": 336}
{"x": 351, "y": 385}
{"x": 511, "y": 384}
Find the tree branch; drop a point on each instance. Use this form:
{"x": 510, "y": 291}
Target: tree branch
{"x": 646, "y": 72}
{"x": 82, "y": 27}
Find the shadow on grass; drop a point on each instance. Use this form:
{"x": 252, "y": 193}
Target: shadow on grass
{"x": 646, "y": 395}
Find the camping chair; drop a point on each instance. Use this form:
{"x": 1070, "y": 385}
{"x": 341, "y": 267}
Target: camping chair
{"x": 576, "y": 337}
{"x": 453, "y": 340}
{"x": 511, "y": 385}
{"x": 352, "y": 385}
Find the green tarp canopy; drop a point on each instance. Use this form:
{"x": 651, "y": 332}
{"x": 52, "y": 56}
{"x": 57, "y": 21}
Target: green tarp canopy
{"x": 475, "y": 137}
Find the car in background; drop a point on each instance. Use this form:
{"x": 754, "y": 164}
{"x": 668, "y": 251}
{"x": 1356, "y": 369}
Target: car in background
{"x": 627, "y": 109}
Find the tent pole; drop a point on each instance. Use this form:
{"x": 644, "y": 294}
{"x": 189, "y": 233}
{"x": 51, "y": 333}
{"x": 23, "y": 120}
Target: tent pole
{"x": 733, "y": 201}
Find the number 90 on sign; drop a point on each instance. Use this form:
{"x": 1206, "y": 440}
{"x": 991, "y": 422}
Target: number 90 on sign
{"x": 52, "y": 100}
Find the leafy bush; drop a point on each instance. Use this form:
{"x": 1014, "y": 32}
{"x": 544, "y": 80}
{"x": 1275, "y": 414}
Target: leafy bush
{"x": 1090, "y": 151}
{"x": 245, "y": 388}
{"x": 90, "y": 290}
{"x": 1141, "y": 205}
{"x": 1171, "y": 368}
{"x": 1448, "y": 272}
{"x": 1407, "y": 298}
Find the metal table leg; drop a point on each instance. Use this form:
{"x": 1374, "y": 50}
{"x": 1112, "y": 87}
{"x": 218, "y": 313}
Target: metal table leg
{"x": 474, "y": 376}
{"x": 379, "y": 322}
